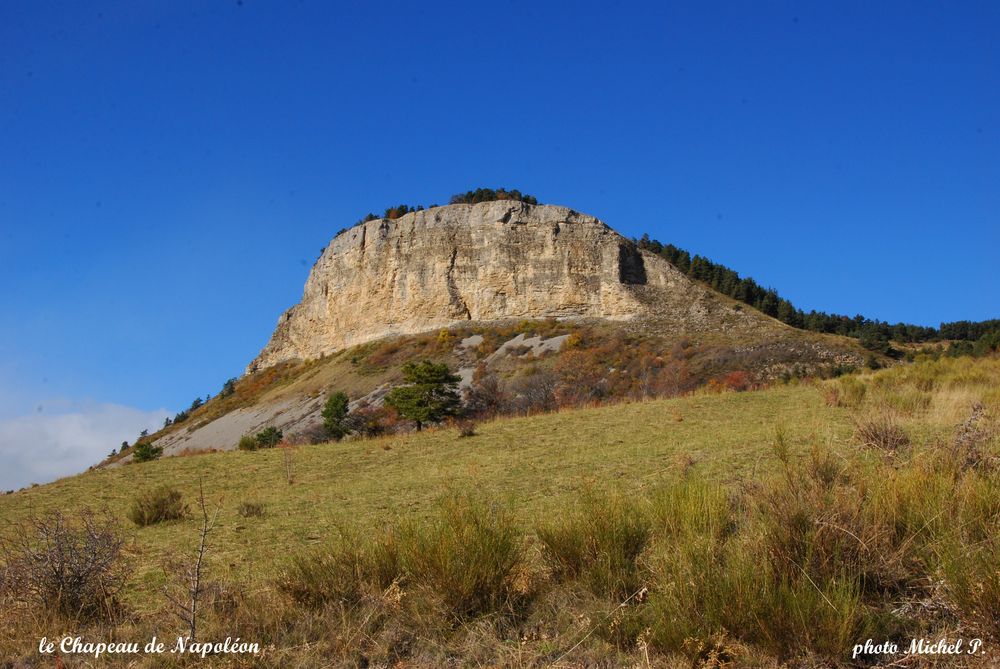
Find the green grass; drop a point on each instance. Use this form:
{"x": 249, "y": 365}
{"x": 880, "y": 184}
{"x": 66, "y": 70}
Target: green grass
{"x": 538, "y": 464}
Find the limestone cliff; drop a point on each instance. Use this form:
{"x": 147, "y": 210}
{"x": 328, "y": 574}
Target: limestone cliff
{"x": 485, "y": 262}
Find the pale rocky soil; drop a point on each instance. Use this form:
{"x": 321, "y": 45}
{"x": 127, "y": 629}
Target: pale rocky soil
{"x": 299, "y": 414}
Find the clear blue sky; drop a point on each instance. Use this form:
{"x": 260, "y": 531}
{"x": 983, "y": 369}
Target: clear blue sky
{"x": 169, "y": 170}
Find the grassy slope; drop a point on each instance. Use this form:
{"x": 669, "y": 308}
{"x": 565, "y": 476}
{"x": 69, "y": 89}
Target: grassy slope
{"x": 540, "y": 462}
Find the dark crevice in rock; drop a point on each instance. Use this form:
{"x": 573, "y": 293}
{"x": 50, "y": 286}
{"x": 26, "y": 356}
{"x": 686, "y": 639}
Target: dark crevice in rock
{"x": 631, "y": 267}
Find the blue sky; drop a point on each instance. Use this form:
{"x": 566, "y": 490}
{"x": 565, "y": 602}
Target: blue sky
{"x": 170, "y": 170}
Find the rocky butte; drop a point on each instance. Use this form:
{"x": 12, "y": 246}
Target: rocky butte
{"x": 490, "y": 265}
{"x": 487, "y": 262}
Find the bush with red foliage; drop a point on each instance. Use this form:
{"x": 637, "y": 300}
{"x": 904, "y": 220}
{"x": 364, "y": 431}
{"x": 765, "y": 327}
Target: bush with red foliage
{"x": 737, "y": 380}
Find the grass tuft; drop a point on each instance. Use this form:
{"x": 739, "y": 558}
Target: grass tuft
{"x": 157, "y": 506}
{"x": 469, "y": 556}
{"x": 599, "y": 541}
{"x": 342, "y": 573}
{"x": 881, "y": 432}
{"x": 251, "y": 509}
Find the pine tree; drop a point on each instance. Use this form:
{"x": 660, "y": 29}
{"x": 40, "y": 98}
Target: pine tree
{"x": 430, "y": 394}
{"x": 334, "y": 413}
{"x": 144, "y": 451}
{"x": 769, "y": 303}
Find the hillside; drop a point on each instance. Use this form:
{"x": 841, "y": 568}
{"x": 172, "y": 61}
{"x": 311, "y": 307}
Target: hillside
{"x": 510, "y": 289}
{"x": 541, "y": 468}
{"x": 537, "y": 460}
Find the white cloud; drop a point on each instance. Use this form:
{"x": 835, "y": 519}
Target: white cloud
{"x": 40, "y": 448}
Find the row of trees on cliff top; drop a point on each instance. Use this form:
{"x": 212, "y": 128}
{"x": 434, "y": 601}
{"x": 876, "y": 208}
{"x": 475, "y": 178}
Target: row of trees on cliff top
{"x": 468, "y": 197}
{"x": 874, "y": 334}
{"x": 490, "y": 195}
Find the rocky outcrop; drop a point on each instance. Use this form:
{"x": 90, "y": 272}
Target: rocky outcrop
{"x": 485, "y": 262}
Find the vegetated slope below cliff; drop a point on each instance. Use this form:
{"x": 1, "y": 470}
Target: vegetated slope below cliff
{"x": 539, "y": 364}
{"x": 539, "y": 461}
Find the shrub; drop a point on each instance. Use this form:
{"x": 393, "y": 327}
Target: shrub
{"x": 737, "y": 380}
{"x": 75, "y": 569}
{"x": 269, "y": 437}
{"x": 971, "y": 437}
{"x": 831, "y": 523}
{"x": 487, "y": 395}
{"x": 793, "y": 572}
{"x": 905, "y": 400}
{"x": 318, "y": 579}
{"x": 582, "y": 378}
{"x": 343, "y": 572}
{"x": 311, "y": 434}
{"x": 156, "y": 506}
{"x": 691, "y": 507}
{"x": 881, "y": 432}
{"x": 702, "y": 576}
{"x": 534, "y": 393}
{"x": 972, "y": 579}
{"x": 368, "y": 421}
{"x": 249, "y": 509}
{"x": 466, "y": 427}
{"x": 468, "y": 557}
{"x": 970, "y": 550}
{"x": 600, "y": 541}
{"x": 144, "y": 451}
{"x": 850, "y": 391}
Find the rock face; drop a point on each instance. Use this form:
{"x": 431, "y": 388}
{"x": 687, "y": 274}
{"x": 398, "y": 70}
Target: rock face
{"x": 484, "y": 262}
